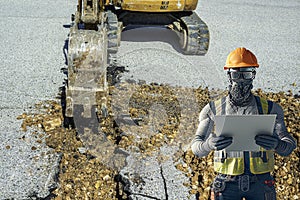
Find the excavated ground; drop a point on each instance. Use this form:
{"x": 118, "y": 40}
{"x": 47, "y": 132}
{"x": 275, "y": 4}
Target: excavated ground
{"x": 84, "y": 176}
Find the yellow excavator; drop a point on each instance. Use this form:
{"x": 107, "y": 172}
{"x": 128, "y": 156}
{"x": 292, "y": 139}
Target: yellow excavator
{"x": 96, "y": 32}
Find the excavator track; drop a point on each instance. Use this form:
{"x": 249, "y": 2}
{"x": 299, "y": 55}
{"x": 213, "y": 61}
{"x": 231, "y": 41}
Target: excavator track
{"x": 195, "y": 35}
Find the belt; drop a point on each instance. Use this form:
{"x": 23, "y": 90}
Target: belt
{"x": 229, "y": 178}
{"x": 252, "y": 177}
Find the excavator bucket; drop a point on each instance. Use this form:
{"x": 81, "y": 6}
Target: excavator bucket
{"x": 87, "y": 65}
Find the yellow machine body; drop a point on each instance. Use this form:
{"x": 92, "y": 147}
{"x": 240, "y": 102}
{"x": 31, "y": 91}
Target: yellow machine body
{"x": 159, "y": 6}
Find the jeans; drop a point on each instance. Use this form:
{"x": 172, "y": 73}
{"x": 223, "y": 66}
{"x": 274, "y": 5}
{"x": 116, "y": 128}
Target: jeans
{"x": 251, "y": 187}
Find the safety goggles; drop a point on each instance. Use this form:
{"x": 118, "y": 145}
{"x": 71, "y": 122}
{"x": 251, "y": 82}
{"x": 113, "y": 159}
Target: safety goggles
{"x": 245, "y": 74}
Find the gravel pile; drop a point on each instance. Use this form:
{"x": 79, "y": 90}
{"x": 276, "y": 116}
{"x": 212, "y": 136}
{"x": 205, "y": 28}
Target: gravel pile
{"x": 134, "y": 129}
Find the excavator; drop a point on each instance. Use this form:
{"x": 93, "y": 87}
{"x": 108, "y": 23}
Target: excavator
{"x": 95, "y": 33}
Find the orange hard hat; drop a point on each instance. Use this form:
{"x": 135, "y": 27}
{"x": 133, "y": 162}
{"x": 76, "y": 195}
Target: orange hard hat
{"x": 240, "y": 58}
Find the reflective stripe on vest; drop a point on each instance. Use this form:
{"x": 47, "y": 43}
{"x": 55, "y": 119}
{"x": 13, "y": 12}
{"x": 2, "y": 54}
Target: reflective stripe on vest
{"x": 232, "y": 163}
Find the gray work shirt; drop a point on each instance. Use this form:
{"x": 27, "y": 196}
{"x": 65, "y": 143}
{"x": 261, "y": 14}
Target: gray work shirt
{"x": 206, "y": 126}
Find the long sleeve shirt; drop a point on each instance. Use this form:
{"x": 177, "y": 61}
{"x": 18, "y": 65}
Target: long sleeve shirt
{"x": 200, "y": 148}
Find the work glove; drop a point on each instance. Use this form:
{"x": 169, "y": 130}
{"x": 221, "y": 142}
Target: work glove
{"x": 268, "y": 142}
{"x": 218, "y": 142}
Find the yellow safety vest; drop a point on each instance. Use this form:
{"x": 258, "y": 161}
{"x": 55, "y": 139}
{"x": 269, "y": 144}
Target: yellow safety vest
{"x": 232, "y": 163}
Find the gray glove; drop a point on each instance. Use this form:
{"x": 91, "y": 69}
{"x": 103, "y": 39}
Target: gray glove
{"x": 268, "y": 142}
{"x": 218, "y": 142}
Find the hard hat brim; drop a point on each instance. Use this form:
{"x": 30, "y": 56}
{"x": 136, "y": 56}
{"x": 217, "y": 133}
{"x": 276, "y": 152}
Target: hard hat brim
{"x": 241, "y": 65}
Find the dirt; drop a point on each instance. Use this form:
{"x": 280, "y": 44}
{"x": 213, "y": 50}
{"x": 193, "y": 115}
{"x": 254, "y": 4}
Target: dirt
{"x": 84, "y": 176}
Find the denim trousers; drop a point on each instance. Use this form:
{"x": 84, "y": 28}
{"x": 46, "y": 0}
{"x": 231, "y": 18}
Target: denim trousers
{"x": 249, "y": 187}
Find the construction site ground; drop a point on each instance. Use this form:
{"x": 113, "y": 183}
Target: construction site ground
{"x": 39, "y": 159}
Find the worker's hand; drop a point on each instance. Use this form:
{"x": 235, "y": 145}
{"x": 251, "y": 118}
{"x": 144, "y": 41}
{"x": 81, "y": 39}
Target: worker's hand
{"x": 268, "y": 142}
{"x": 218, "y": 142}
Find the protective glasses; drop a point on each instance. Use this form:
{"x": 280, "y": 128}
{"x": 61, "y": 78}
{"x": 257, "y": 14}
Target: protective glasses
{"x": 247, "y": 75}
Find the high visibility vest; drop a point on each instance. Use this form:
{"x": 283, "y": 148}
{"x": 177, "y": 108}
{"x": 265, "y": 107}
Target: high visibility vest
{"x": 233, "y": 163}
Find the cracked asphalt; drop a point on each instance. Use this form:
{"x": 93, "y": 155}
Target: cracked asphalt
{"x": 33, "y": 35}
{"x": 32, "y": 38}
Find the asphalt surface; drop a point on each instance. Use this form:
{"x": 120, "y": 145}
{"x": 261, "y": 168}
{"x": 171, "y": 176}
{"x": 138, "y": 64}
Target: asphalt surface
{"x": 32, "y": 41}
{"x": 270, "y": 29}
{"x": 33, "y": 35}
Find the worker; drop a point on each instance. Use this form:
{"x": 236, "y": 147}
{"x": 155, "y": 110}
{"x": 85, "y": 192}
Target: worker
{"x": 242, "y": 174}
